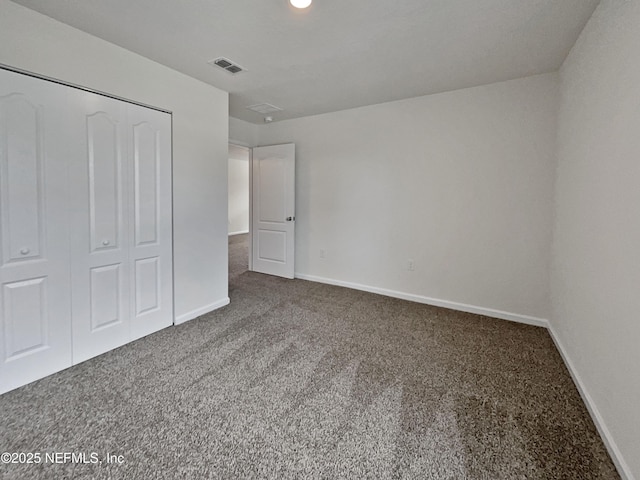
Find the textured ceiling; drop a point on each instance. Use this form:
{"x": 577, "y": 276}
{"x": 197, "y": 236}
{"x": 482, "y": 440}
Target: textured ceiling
{"x": 338, "y": 54}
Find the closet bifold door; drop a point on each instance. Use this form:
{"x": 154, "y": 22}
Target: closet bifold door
{"x": 121, "y": 261}
{"x": 151, "y": 220}
{"x": 86, "y": 259}
{"x": 35, "y": 313}
{"x": 99, "y": 213}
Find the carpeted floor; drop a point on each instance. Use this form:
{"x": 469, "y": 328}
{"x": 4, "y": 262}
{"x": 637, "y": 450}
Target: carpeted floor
{"x": 303, "y": 380}
{"x": 238, "y": 257}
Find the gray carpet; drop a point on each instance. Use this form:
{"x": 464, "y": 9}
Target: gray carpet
{"x": 302, "y": 380}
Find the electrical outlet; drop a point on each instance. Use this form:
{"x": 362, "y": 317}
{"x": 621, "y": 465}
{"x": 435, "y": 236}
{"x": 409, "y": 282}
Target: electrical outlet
{"x": 411, "y": 265}
{"x": 322, "y": 253}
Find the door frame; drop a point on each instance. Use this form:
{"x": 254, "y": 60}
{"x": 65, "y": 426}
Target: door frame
{"x": 28, "y": 73}
{"x": 250, "y": 264}
{"x": 237, "y": 143}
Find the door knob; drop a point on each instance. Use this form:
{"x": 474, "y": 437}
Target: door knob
{"x": 105, "y": 242}
{"x": 291, "y": 219}
{"x": 24, "y": 251}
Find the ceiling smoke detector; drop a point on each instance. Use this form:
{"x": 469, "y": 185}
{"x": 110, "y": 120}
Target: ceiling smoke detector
{"x": 227, "y": 65}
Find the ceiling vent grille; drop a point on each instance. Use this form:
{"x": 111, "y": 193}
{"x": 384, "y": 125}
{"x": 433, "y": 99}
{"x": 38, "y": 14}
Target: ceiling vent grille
{"x": 264, "y": 108}
{"x": 227, "y": 65}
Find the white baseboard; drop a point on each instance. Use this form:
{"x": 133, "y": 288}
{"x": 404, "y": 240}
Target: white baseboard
{"x": 605, "y": 434}
{"x": 185, "y": 317}
{"x": 238, "y": 233}
{"x": 489, "y": 312}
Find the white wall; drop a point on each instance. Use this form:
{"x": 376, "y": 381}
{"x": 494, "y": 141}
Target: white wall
{"x": 33, "y": 42}
{"x": 238, "y": 189}
{"x": 596, "y": 251}
{"x": 461, "y": 183}
{"x": 243, "y": 133}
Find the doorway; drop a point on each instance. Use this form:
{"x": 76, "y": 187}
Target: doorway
{"x": 239, "y": 210}
{"x": 261, "y": 198}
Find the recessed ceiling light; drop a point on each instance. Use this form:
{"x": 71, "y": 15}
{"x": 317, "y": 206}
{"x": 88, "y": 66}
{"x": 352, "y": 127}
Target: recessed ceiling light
{"x": 300, "y": 3}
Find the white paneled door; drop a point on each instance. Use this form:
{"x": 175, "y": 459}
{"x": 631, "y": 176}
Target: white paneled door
{"x": 273, "y": 209}
{"x": 35, "y": 313}
{"x": 121, "y": 217}
{"x": 100, "y": 267}
{"x": 150, "y": 217}
{"x": 85, "y": 217}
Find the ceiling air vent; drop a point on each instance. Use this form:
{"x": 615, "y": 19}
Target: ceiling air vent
{"x": 233, "y": 69}
{"x": 227, "y": 65}
{"x": 264, "y": 108}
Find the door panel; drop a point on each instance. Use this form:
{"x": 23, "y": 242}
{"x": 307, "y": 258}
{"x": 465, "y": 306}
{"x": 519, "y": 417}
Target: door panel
{"x": 22, "y": 171}
{"x": 151, "y": 219}
{"x": 273, "y": 210}
{"x": 146, "y": 160}
{"x": 104, "y": 162}
{"x": 100, "y": 269}
{"x": 272, "y": 246}
{"x": 273, "y": 198}
{"x": 25, "y": 317}
{"x": 106, "y": 296}
{"x": 35, "y": 316}
{"x": 147, "y": 289}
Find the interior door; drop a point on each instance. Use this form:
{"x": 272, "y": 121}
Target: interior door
{"x": 273, "y": 210}
{"x": 35, "y": 316}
